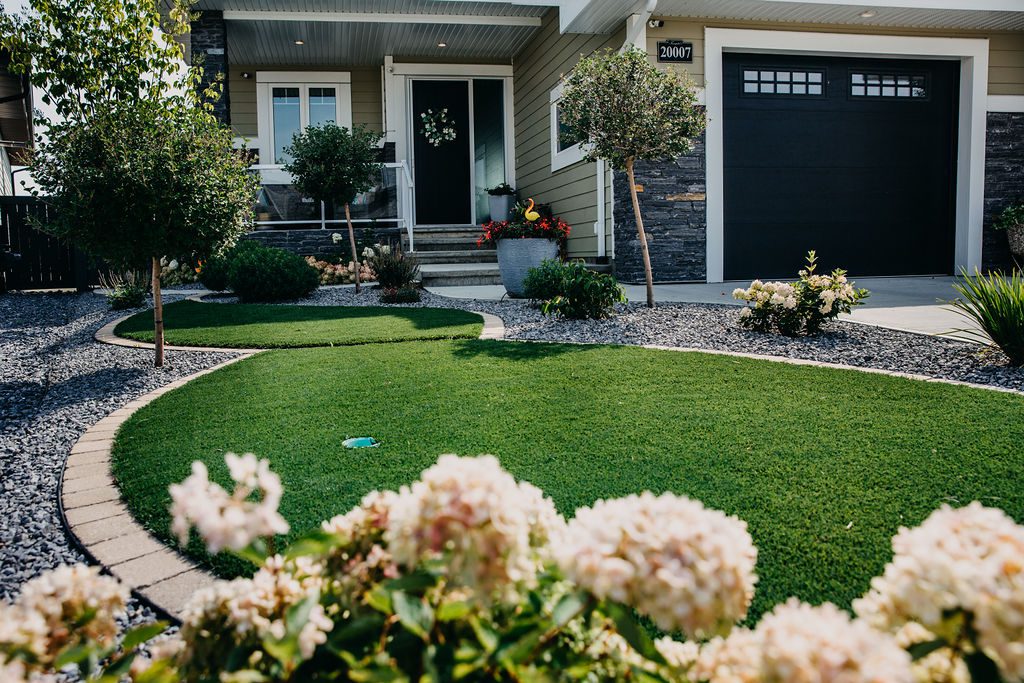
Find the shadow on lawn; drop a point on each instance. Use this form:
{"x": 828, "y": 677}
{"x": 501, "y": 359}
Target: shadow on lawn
{"x": 186, "y": 315}
{"x": 512, "y": 350}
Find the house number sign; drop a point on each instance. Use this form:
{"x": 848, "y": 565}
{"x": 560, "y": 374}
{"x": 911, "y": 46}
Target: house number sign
{"x": 675, "y": 51}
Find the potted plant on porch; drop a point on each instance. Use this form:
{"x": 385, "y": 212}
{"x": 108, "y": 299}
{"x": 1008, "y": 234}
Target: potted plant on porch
{"x": 501, "y": 200}
{"x": 1012, "y": 221}
{"x": 523, "y": 242}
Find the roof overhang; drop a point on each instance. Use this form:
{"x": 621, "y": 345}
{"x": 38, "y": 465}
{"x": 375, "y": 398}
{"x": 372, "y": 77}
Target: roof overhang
{"x": 602, "y": 16}
{"x": 362, "y": 32}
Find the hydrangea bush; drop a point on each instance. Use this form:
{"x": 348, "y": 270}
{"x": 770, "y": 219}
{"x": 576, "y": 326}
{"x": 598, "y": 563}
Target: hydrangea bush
{"x": 470, "y": 575}
{"x": 800, "y": 307}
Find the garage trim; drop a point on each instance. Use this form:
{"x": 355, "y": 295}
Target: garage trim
{"x": 972, "y": 53}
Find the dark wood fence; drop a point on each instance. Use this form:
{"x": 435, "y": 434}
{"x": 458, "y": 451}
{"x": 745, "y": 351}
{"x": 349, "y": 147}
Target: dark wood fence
{"x": 31, "y": 259}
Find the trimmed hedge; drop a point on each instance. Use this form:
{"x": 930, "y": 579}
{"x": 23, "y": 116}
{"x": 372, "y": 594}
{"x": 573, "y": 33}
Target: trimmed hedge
{"x": 257, "y": 273}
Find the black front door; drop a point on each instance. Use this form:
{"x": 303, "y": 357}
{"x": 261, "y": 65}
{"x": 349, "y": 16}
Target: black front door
{"x": 443, "y": 180}
{"x": 854, "y": 158}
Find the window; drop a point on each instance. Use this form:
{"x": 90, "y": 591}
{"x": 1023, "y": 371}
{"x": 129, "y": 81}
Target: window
{"x": 888, "y": 85}
{"x": 288, "y": 102}
{"x": 565, "y": 151}
{"x": 785, "y": 82}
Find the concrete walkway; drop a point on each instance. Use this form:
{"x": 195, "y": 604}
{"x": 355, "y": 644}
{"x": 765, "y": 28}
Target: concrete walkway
{"x": 914, "y": 304}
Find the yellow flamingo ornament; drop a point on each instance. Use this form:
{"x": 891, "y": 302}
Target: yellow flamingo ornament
{"x": 530, "y": 214}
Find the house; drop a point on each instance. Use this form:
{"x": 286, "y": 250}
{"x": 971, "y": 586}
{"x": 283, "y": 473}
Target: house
{"x": 884, "y": 134}
{"x": 15, "y": 121}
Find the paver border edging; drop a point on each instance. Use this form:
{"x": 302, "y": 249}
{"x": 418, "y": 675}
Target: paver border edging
{"x": 101, "y": 526}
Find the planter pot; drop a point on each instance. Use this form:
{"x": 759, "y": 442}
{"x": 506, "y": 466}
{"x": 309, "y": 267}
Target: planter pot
{"x": 1016, "y": 237}
{"x": 517, "y": 256}
{"x": 501, "y": 206}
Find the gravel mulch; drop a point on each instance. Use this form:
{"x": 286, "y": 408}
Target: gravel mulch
{"x": 55, "y": 382}
{"x": 715, "y": 327}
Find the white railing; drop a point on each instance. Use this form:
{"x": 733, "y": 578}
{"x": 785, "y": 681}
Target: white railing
{"x": 401, "y": 217}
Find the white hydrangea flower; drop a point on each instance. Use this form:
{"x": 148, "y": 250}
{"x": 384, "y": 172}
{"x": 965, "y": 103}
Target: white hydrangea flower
{"x": 173, "y": 265}
{"x": 368, "y": 252}
{"x": 798, "y": 643}
{"x": 942, "y": 665}
{"x": 684, "y": 566}
{"x": 257, "y": 607}
{"x": 336, "y": 237}
{"x": 969, "y": 560}
{"x": 492, "y": 531}
{"x": 228, "y": 520}
{"x": 681, "y": 656}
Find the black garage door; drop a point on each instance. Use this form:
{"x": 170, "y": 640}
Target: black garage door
{"x": 854, "y": 158}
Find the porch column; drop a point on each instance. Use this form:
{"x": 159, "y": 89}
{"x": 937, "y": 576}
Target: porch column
{"x": 210, "y": 48}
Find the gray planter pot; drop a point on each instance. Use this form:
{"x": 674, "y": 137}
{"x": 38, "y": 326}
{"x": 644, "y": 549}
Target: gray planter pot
{"x": 517, "y": 256}
{"x": 501, "y": 206}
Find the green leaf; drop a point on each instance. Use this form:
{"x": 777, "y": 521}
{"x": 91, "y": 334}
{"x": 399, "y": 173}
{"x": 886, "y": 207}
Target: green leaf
{"x": 632, "y": 631}
{"x": 484, "y": 634}
{"x": 921, "y": 650}
{"x": 569, "y": 607}
{"x": 416, "y": 582}
{"x": 75, "y": 654}
{"x": 453, "y": 611}
{"x": 298, "y": 614}
{"x": 414, "y": 613}
{"x": 316, "y": 542}
{"x": 380, "y": 599}
{"x": 982, "y": 668}
{"x": 137, "y": 636}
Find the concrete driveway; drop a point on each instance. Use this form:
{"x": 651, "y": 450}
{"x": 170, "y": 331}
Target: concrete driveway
{"x": 914, "y": 304}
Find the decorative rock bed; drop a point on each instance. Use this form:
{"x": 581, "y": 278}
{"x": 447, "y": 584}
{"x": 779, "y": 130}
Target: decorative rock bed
{"x": 58, "y": 381}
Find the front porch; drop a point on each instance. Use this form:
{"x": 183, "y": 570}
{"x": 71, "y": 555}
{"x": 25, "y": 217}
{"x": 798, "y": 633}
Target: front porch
{"x": 288, "y": 68}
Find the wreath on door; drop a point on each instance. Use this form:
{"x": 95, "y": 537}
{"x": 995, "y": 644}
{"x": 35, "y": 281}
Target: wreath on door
{"x": 436, "y": 128}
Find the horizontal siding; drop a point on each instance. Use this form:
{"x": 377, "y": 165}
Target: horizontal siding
{"x": 537, "y": 69}
{"x": 367, "y": 107}
{"x": 1006, "y": 50}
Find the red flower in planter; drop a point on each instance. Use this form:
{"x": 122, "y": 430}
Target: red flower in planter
{"x": 544, "y": 228}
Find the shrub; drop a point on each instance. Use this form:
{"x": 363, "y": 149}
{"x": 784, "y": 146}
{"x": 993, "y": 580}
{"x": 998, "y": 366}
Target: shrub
{"x": 176, "y": 272}
{"x": 571, "y": 290}
{"x": 398, "y": 589}
{"x": 996, "y": 304}
{"x": 394, "y": 269}
{"x": 405, "y": 295}
{"x": 340, "y": 273}
{"x": 129, "y": 289}
{"x": 801, "y": 307}
{"x": 213, "y": 272}
{"x": 259, "y": 273}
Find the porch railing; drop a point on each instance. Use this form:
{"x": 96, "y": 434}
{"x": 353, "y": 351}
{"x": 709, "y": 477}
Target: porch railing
{"x": 281, "y": 206}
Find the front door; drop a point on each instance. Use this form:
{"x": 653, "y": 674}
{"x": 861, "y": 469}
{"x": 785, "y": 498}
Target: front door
{"x": 443, "y": 166}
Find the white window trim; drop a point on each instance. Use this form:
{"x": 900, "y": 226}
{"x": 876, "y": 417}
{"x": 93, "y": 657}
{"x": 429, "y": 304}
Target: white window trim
{"x": 972, "y": 53}
{"x": 570, "y": 155}
{"x": 266, "y": 81}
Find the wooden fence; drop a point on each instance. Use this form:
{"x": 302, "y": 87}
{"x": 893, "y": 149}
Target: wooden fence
{"x": 31, "y": 259}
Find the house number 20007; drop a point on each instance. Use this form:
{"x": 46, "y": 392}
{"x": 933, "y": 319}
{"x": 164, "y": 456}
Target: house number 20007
{"x": 675, "y": 51}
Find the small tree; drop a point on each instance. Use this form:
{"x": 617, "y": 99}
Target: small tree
{"x": 332, "y": 164}
{"x": 628, "y": 110}
{"x": 138, "y": 182}
{"x": 134, "y": 162}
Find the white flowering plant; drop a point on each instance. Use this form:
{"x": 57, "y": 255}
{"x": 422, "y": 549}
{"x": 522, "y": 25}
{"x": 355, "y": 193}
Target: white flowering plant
{"x": 436, "y": 128}
{"x": 470, "y": 575}
{"x": 800, "y": 307}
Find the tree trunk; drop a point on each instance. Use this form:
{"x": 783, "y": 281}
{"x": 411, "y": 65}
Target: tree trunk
{"x": 640, "y": 231}
{"x": 158, "y": 316}
{"x": 352, "y": 241}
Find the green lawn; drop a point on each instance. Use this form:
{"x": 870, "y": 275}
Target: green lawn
{"x": 823, "y": 464}
{"x": 190, "y": 323}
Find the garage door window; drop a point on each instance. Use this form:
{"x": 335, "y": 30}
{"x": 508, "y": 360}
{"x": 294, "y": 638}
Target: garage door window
{"x": 788, "y": 82}
{"x": 895, "y": 86}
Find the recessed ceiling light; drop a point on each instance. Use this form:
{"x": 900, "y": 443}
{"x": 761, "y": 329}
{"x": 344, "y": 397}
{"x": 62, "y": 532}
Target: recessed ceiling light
{"x": 300, "y": 42}
{"x": 442, "y": 44}
{"x": 868, "y": 13}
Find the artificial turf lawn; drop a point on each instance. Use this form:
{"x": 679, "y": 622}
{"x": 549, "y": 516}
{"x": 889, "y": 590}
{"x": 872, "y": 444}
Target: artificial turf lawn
{"x": 824, "y": 465}
{"x": 190, "y": 323}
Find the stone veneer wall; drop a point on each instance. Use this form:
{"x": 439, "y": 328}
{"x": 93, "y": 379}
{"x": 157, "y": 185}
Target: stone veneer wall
{"x": 674, "y": 209}
{"x": 317, "y": 242}
{"x": 1004, "y": 182}
{"x": 209, "y": 37}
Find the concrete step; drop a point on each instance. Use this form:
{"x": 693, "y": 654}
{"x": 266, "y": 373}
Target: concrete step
{"x": 464, "y": 231}
{"x": 459, "y": 256}
{"x": 431, "y": 243}
{"x": 459, "y": 274}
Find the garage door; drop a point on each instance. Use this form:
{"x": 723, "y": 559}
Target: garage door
{"x": 854, "y": 158}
